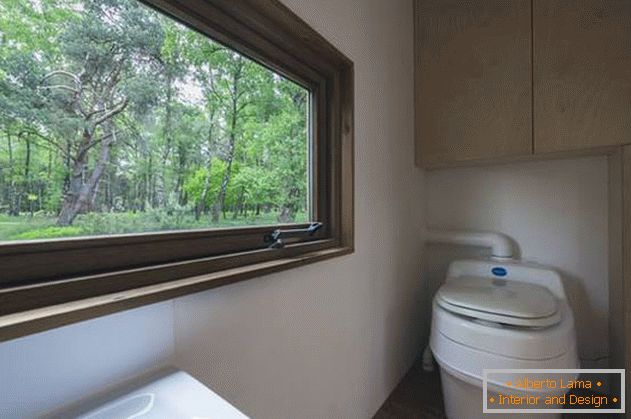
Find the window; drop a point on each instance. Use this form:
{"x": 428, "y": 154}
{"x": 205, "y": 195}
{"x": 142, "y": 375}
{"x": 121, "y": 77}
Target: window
{"x": 150, "y": 149}
{"x": 121, "y": 120}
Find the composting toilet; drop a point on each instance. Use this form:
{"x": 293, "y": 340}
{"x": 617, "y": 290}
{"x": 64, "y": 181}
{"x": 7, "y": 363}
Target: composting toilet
{"x": 490, "y": 315}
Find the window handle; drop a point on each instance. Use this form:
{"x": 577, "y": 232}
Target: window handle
{"x": 277, "y": 237}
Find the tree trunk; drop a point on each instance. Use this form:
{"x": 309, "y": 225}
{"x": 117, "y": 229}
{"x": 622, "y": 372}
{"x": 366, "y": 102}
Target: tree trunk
{"x": 161, "y": 195}
{"x": 288, "y": 210}
{"x": 201, "y": 205}
{"x": 286, "y": 215}
{"x": 81, "y": 193}
{"x": 181, "y": 169}
{"x": 238, "y": 208}
{"x": 218, "y": 207}
{"x": 27, "y": 175}
{"x": 13, "y": 201}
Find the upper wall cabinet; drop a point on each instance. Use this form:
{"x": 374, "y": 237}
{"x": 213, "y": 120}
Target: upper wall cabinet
{"x": 473, "y": 80}
{"x": 501, "y": 79}
{"x": 582, "y": 74}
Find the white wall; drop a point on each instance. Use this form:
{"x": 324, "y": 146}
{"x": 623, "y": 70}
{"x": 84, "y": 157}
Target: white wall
{"x": 557, "y": 212}
{"x": 331, "y": 340}
{"x": 45, "y": 371}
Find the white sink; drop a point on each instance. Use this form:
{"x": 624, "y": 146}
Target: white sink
{"x": 173, "y": 395}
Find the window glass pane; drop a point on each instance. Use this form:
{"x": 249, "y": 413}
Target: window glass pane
{"x": 116, "y": 119}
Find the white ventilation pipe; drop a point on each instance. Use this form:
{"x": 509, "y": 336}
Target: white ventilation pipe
{"x": 501, "y": 245}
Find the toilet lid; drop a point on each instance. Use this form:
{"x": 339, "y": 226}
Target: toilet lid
{"x": 498, "y": 300}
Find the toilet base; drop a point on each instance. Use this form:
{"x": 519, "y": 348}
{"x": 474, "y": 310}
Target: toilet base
{"x": 464, "y": 400}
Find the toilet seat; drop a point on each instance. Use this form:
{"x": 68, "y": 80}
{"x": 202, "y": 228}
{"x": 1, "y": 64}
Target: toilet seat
{"x": 495, "y": 300}
{"x": 499, "y": 316}
{"x": 523, "y": 315}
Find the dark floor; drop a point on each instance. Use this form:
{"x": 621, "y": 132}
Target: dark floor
{"x": 417, "y": 396}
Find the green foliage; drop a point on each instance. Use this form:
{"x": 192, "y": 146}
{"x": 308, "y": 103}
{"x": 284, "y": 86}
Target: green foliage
{"x": 202, "y": 136}
{"x": 50, "y": 232}
{"x": 41, "y": 226}
{"x": 205, "y": 179}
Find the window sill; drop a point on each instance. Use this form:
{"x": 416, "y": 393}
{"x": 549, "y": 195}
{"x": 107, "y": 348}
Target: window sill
{"x": 37, "y": 320}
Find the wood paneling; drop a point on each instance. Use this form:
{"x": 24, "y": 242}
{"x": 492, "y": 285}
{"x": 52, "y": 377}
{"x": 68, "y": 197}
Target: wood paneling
{"x": 582, "y": 74}
{"x": 616, "y": 282}
{"x": 626, "y": 261}
{"x": 473, "y": 80}
{"x": 620, "y": 261}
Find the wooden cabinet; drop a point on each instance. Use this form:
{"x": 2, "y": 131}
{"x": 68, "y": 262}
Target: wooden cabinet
{"x": 620, "y": 261}
{"x": 473, "y": 80}
{"x": 582, "y": 74}
{"x": 507, "y": 79}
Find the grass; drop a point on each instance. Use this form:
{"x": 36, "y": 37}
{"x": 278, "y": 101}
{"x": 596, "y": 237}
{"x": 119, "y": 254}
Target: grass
{"x": 38, "y": 227}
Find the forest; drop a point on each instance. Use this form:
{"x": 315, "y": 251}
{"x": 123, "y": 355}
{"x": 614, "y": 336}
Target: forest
{"x": 116, "y": 119}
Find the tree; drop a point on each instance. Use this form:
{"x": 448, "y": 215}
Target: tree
{"x": 108, "y": 107}
{"x": 108, "y": 46}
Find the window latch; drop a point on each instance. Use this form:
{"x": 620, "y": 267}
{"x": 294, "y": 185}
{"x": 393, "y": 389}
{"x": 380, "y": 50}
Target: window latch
{"x": 277, "y": 238}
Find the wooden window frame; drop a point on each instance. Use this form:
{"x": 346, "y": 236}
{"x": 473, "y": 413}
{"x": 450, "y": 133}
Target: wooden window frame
{"x": 47, "y": 284}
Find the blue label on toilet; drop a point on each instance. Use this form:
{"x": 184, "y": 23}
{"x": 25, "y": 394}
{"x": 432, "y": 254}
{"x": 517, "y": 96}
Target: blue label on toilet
{"x": 499, "y": 271}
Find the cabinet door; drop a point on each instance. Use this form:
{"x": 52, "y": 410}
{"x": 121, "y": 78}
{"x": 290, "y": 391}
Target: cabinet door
{"x": 473, "y": 80}
{"x": 582, "y": 74}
